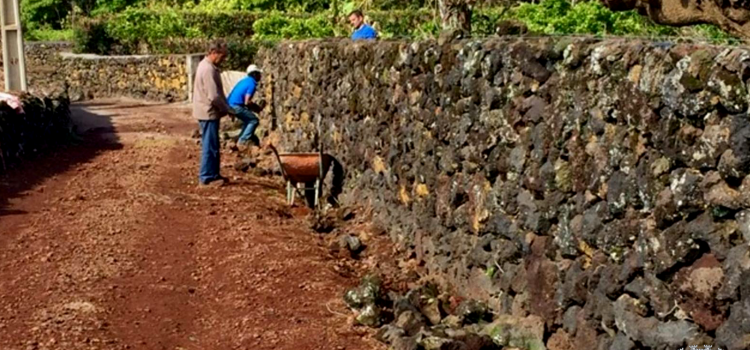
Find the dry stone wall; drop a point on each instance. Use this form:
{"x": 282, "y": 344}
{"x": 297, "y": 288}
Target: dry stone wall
{"x": 601, "y": 185}
{"x": 162, "y": 78}
{"x": 51, "y": 68}
{"x": 43, "y": 125}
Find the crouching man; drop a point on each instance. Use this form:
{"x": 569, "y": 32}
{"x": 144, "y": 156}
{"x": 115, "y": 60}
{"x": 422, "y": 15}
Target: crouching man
{"x": 240, "y": 100}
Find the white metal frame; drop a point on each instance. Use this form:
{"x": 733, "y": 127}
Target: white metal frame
{"x": 14, "y": 64}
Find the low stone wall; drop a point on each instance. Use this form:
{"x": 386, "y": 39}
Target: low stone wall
{"x": 51, "y": 68}
{"x": 43, "y": 71}
{"x": 162, "y": 78}
{"x": 601, "y": 185}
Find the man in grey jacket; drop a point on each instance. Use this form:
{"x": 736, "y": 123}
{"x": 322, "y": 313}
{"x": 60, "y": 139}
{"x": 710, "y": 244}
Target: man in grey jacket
{"x": 209, "y": 106}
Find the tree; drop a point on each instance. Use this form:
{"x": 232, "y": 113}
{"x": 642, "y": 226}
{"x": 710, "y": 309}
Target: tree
{"x": 39, "y": 13}
{"x": 455, "y": 15}
{"x": 731, "y": 15}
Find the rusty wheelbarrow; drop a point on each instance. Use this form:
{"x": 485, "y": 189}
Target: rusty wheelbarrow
{"x": 303, "y": 168}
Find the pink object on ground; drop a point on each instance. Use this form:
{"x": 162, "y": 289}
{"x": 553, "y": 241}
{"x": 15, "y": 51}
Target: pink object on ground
{"x": 12, "y": 101}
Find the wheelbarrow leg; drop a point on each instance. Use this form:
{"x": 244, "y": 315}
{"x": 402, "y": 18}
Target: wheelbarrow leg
{"x": 289, "y": 193}
{"x": 294, "y": 193}
{"x": 317, "y": 192}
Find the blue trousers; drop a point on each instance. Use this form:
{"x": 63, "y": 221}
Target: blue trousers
{"x": 249, "y": 123}
{"x": 211, "y": 153}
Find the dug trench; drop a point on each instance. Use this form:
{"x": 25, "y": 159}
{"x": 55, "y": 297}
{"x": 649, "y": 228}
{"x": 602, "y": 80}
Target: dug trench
{"x": 121, "y": 250}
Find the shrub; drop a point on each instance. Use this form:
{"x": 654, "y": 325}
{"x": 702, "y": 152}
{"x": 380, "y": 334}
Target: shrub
{"x": 91, "y": 36}
{"x": 221, "y": 23}
{"x": 41, "y": 13}
{"x": 400, "y": 24}
{"x": 143, "y": 30}
{"x": 47, "y": 34}
{"x": 591, "y": 17}
{"x": 711, "y": 32}
{"x": 484, "y": 22}
{"x": 271, "y": 25}
{"x": 241, "y": 51}
{"x": 104, "y": 7}
{"x": 135, "y": 26}
{"x": 308, "y": 6}
{"x": 280, "y": 26}
{"x": 137, "y": 30}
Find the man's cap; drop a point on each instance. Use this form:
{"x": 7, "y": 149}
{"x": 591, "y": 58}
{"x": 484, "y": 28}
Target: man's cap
{"x": 253, "y": 68}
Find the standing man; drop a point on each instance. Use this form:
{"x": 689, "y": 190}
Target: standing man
{"x": 209, "y": 106}
{"x": 361, "y": 29}
{"x": 240, "y": 99}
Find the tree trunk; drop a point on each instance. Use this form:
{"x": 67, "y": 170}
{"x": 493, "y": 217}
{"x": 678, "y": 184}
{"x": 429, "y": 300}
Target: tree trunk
{"x": 455, "y": 15}
{"x": 335, "y": 11}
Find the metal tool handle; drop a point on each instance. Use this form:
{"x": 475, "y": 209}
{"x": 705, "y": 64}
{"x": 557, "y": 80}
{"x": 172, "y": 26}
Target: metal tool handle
{"x": 321, "y": 162}
{"x": 278, "y": 159}
{"x": 320, "y": 149}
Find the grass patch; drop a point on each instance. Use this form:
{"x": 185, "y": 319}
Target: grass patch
{"x": 46, "y": 34}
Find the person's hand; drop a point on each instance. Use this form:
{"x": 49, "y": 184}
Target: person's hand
{"x": 254, "y": 107}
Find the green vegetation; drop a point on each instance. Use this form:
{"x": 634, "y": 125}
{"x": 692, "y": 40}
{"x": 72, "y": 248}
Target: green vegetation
{"x": 46, "y": 34}
{"x": 591, "y": 17}
{"x": 138, "y": 26}
{"x": 561, "y": 17}
{"x": 280, "y": 26}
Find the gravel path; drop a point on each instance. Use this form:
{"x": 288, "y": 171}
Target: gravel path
{"x": 111, "y": 245}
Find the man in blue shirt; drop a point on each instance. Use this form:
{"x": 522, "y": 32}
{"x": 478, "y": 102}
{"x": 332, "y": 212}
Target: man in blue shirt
{"x": 361, "y": 30}
{"x": 240, "y": 101}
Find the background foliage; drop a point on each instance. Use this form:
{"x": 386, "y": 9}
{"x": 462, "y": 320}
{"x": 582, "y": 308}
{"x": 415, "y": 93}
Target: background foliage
{"x": 144, "y": 26}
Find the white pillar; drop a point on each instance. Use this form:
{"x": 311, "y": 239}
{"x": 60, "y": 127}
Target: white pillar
{"x": 14, "y": 65}
{"x": 191, "y": 61}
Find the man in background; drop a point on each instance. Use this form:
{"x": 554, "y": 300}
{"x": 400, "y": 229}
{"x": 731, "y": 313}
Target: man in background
{"x": 209, "y": 106}
{"x": 362, "y": 31}
{"x": 240, "y": 100}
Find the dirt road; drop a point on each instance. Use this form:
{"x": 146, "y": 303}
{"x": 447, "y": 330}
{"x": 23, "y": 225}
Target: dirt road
{"x": 111, "y": 245}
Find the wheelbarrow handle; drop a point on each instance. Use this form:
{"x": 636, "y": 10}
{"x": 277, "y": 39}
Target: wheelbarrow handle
{"x": 278, "y": 159}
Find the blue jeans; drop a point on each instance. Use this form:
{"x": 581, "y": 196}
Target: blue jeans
{"x": 249, "y": 123}
{"x": 211, "y": 154}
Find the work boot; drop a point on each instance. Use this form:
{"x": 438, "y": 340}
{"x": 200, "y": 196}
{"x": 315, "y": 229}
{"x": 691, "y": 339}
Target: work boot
{"x": 218, "y": 182}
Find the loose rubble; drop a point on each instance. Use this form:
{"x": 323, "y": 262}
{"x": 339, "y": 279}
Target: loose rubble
{"x": 424, "y": 319}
